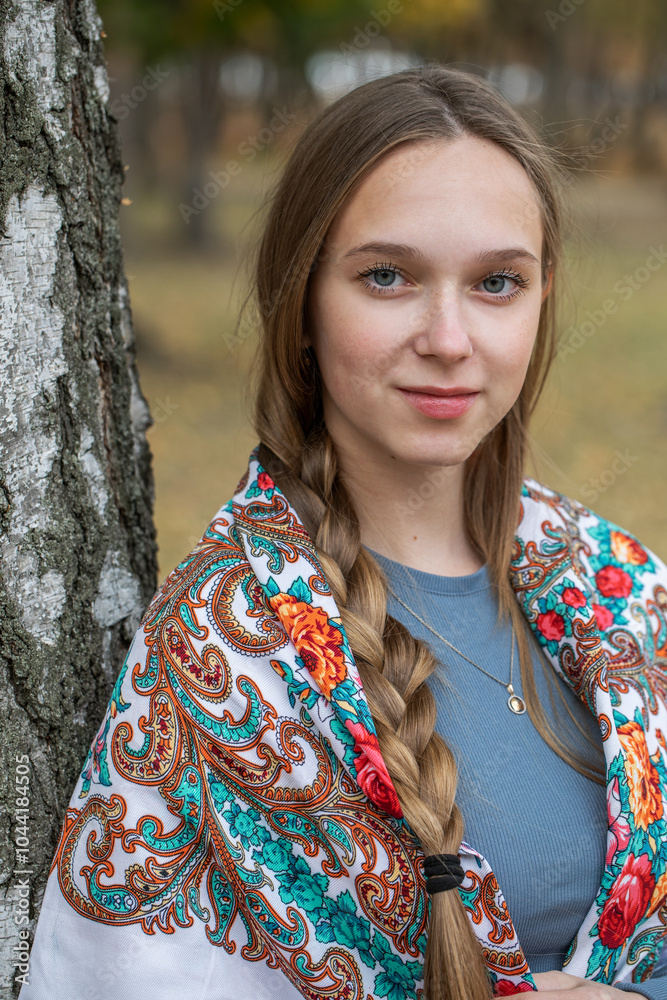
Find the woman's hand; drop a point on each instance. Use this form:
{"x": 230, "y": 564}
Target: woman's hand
{"x": 560, "y": 986}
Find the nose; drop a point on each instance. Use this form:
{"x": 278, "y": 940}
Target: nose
{"x": 442, "y": 330}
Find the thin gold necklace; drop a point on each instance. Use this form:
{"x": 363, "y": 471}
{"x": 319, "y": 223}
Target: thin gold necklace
{"x": 514, "y": 702}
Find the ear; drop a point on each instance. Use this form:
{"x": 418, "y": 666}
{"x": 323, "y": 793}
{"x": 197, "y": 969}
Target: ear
{"x": 548, "y": 283}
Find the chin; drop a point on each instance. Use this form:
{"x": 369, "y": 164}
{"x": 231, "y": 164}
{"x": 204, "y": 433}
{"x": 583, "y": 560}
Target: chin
{"x": 428, "y": 454}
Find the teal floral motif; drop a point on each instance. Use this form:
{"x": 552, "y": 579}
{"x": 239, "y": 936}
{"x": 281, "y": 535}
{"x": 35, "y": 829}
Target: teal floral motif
{"x": 297, "y": 690}
{"x": 275, "y": 855}
{"x": 262, "y": 808}
{"x": 301, "y": 591}
{"x": 397, "y": 980}
{"x": 297, "y": 885}
{"x": 345, "y": 927}
{"x": 243, "y": 824}
{"x": 220, "y": 792}
{"x": 335, "y": 918}
{"x": 262, "y": 484}
{"x": 95, "y": 768}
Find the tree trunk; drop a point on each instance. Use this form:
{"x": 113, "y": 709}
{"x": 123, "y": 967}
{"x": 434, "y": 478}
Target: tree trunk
{"x": 77, "y": 549}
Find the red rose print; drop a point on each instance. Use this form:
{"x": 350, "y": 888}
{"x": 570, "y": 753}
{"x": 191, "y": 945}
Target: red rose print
{"x": 264, "y": 481}
{"x": 574, "y": 597}
{"x": 504, "y": 988}
{"x": 551, "y": 625}
{"x": 613, "y": 582}
{"x": 372, "y": 774}
{"x": 627, "y": 901}
{"x": 603, "y": 616}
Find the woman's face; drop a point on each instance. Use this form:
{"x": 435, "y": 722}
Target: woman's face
{"x": 424, "y": 310}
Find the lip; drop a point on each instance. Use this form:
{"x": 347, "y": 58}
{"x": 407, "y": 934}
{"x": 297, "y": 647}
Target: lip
{"x": 439, "y": 403}
{"x": 434, "y": 390}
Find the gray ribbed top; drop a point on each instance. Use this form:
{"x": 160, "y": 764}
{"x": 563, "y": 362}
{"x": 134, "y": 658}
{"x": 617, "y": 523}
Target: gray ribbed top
{"x": 541, "y": 825}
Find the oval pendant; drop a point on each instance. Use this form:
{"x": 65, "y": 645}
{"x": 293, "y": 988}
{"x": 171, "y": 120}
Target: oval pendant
{"x": 516, "y": 704}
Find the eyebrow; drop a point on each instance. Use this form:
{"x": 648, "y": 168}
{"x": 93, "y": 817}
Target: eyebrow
{"x": 388, "y": 249}
{"x": 509, "y": 253}
{"x": 409, "y": 252}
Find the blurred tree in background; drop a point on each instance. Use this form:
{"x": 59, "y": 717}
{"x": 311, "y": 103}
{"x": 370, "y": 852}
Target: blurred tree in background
{"x": 210, "y": 95}
{"x": 565, "y": 59}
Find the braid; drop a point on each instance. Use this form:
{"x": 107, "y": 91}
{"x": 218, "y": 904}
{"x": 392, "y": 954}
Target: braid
{"x": 426, "y": 104}
{"x": 394, "y": 669}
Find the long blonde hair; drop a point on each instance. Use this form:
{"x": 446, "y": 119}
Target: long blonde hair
{"x": 333, "y": 154}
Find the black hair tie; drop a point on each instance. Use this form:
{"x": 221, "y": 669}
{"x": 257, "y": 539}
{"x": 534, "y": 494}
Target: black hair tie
{"x": 442, "y": 872}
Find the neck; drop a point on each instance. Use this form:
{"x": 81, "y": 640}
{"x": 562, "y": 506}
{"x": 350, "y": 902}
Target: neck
{"x": 412, "y": 514}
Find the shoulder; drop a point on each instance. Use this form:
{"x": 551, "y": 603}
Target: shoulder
{"x": 538, "y": 501}
{"x": 217, "y": 549}
{"x": 617, "y": 567}
{"x": 541, "y": 505}
{"x": 254, "y": 536}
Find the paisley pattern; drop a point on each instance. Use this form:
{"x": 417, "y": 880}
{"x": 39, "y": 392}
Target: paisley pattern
{"x": 596, "y": 601}
{"x": 236, "y": 779}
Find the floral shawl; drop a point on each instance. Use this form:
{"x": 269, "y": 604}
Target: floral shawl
{"x": 235, "y": 830}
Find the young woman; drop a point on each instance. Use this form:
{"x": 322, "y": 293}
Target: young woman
{"x": 271, "y": 806}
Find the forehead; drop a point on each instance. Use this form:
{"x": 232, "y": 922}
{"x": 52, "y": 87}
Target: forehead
{"x": 434, "y": 194}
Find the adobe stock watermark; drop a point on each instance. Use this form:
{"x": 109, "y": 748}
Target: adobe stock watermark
{"x": 20, "y": 887}
{"x": 244, "y": 330}
{"x": 565, "y": 9}
{"x": 249, "y": 325}
{"x": 163, "y": 409}
{"x": 123, "y": 105}
{"x": 113, "y": 970}
{"x": 624, "y": 289}
{"x": 401, "y": 170}
{"x": 597, "y": 485}
{"x": 433, "y": 480}
{"x": 248, "y": 149}
{"x": 416, "y": 497}
{"x": 581, "y": 157}
{"x": 376, "y": 369}
{"x": 224, "y": 7}
{"x": 364, "y": 36}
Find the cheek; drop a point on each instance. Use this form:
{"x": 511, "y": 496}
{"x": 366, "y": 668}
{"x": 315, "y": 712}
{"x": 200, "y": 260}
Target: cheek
{"x": 517, "y": 353}
{"x": 509, "y": 356}
{"x": 351, "y": 369}
{"x": 353, "y": 349}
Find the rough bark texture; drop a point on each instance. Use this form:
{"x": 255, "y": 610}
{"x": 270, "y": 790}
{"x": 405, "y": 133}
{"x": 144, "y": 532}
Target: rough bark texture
{"x": 77, "y": 550}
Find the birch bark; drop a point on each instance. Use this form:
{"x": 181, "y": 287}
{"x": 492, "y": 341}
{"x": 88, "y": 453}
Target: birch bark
{"x": 77, "y": 546}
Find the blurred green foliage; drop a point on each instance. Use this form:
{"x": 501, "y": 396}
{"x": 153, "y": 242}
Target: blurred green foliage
{"x": 290, "y": 30}
{"x": 597, "y": 61}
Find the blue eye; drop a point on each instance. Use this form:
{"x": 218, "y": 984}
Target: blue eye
{"x": 381, "y": 277}
{"x": 495, "y": 284}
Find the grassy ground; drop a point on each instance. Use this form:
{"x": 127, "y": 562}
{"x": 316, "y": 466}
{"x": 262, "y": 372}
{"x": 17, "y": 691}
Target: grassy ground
{"x": 606, "y": 397}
